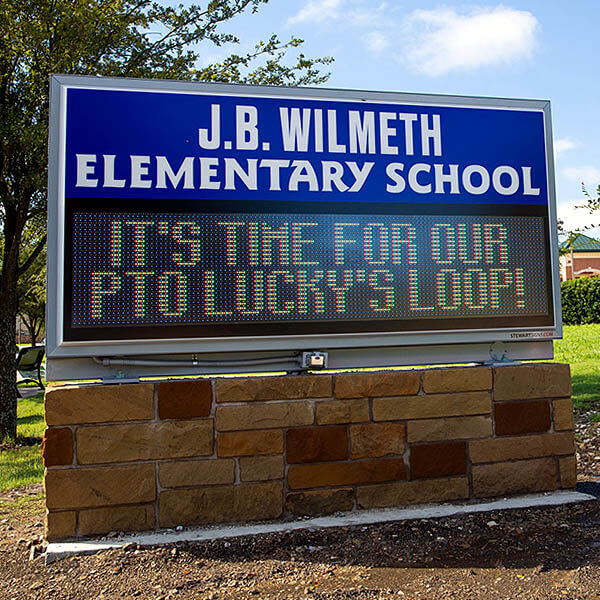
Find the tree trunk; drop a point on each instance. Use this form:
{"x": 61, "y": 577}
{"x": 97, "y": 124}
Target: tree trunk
{"x": 8, "y": 380}
{"x": 32, "y": 334}
{"x": 33, "y": 326}
{"x": 8, "y": 323}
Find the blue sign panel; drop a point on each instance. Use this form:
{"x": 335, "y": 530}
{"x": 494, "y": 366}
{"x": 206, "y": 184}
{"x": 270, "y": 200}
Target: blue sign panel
{"x": 123, "y": 144}
{"x": 227, "y": 212}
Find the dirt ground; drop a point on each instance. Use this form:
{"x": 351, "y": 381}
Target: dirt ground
{"x": 544, "y": 553}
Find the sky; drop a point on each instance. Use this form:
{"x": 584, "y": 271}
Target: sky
{"x": 540, "y": 49}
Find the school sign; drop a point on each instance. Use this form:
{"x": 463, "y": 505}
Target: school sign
{"x": 214, "y": 220}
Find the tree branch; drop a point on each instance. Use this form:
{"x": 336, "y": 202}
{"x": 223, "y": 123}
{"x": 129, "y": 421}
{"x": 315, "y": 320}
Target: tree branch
{"x": 35, "y": 253}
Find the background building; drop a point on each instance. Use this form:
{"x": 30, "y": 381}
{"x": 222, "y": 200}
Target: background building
{"x": 580, "y": 257}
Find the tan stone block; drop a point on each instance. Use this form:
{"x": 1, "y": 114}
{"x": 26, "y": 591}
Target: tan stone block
{"x": 457, "y": 379}
{"x": 520, "y": 477}
{"x": 320, "y": 502}
{"x": 333, "y": 412}
{"x": 250, "y": 443}
{"x": 100, "y": 486}
{"x": 457, "y": 428}
{"x": 373, "y": 440}
{"x": 412, "y": 492}
{"x": 60, "y": 525}
{"x": 562, "y": 411}
{"x": 345, "y": 473}
{"x": 196, "y": 472}
{"x": 254, "y": 501}
{"x": 512, "y": 448}
{"x": 541, "y": 380}
{"x": 431, "y": 406}
{"x": 144, "y": 441}
{"x": 116, "y": 518}
{"x": 71, "y": 405}
{"x": 568, "y": 471}
{"x": 222, "y": 504}
{"x": 251, "y": 389}
{"x": 380, "y": 383}
{"x": 200, "y": 506}
{"x": 261, "y": 468}
{"x": 264, "y": 416}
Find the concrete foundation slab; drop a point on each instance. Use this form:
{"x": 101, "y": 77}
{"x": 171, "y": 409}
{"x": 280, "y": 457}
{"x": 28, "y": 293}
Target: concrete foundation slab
{"x": 58, "y": 550}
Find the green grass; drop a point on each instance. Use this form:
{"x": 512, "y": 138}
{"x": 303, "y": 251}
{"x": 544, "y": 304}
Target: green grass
{"x": 580, "y": 347}
{"x": 30, "y": 415}
{"x": 23, "y": 465}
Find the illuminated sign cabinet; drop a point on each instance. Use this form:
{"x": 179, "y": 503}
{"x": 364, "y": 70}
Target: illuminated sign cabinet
{"x": 234, "y": 221}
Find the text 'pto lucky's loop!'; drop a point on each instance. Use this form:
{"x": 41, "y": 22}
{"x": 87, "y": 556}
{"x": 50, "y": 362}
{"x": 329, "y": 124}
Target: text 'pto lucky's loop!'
{"x": 166, "y": 268}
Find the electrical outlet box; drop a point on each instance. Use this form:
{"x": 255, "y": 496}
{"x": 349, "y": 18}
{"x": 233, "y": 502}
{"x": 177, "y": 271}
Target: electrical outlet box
{"x": 314, "y": 360}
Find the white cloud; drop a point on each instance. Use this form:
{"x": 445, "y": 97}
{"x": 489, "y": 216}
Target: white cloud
{"x": 587, "y": 174}
{"x": 442, "y": 40}
{"x": 317, "y": 11}
{"x": 563, "y": 145}
{"x": 371, "y": 16}
{"x": 355, "y": 13}
{"x": 376, "y": 41}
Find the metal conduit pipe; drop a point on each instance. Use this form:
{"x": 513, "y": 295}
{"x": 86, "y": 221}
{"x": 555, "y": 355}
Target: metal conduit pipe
{"x": 143, "y": 362}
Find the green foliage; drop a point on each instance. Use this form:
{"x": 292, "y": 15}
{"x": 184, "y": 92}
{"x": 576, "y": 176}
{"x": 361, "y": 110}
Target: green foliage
{"x": 120, "y": 38}
{"x": 592, "y": 204}
{"x": 581, "y": 301}
{"x": 274, "y": 71}
{"x": 31, "y": 287}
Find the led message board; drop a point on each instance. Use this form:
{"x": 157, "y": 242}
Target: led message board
{"x": 185, "y": 217}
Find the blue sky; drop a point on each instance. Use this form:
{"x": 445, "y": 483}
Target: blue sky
{"x": 543, "y": 49}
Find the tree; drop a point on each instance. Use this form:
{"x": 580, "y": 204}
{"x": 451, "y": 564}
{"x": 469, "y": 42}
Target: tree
{"x": 592, "y": 204}
{"x": 31, "y": 287}
{"x": 131, "y": 38}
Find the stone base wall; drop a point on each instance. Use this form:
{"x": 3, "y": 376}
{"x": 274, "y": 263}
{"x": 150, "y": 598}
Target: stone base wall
{"x": 191, "y": 452}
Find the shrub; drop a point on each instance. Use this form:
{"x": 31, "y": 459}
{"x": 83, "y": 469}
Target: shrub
{"x": 581, "y": 301}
